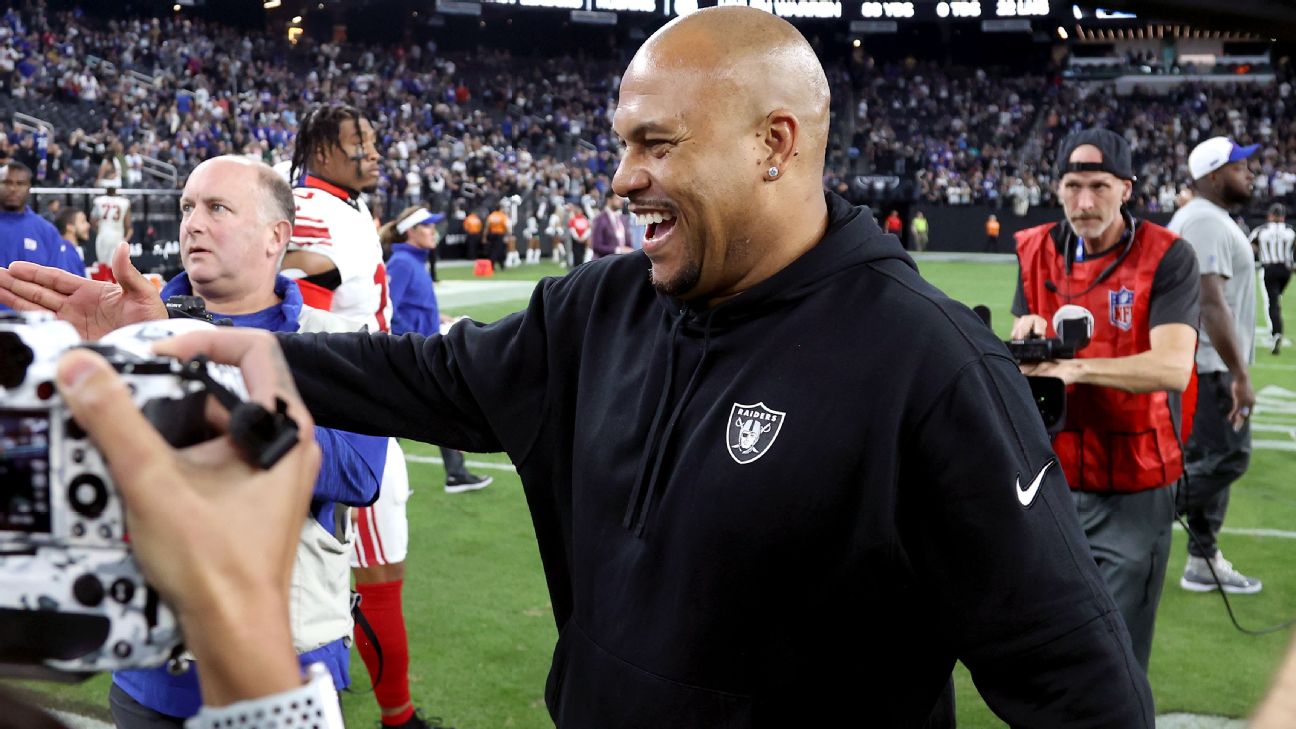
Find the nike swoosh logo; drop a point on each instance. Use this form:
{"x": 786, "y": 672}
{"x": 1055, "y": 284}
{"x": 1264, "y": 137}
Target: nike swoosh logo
{"x": 1027, "y": 495}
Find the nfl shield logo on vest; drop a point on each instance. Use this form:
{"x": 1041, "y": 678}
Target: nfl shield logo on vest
{"x": 1121, "y": 307}
{"x": 752, "y": 430}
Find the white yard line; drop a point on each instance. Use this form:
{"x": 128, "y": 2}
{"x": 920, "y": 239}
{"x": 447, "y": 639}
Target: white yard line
{"x": 1197, "y": 721}
{"x": 471, "y": 464}
{"x": 452, "y": 294}
{"x": 76, "y": 721}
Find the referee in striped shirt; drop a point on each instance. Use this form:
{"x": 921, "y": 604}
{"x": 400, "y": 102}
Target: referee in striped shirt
{"x": 1273, "y": 245}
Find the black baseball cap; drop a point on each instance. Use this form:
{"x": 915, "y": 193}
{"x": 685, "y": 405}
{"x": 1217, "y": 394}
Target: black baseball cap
{"x": 1116, "y": 157}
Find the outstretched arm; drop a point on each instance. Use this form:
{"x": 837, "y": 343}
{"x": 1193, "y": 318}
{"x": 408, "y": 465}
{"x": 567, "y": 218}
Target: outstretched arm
{"x": 93, "y": 307}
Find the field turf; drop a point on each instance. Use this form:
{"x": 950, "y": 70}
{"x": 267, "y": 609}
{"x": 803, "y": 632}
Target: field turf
{"x": 482, "y": 632}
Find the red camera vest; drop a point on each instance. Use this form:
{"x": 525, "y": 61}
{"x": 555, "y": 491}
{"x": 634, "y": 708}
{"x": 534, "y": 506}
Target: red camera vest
{"x": 1113, "y": 440}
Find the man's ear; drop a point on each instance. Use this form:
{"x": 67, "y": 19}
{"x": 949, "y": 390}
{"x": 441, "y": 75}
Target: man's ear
{"x": 281, "y": 233}
{"x": 781, "y": 134}
{"x": 1129, "y": 191}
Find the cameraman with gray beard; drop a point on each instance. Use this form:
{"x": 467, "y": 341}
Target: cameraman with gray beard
{"x": 1121, "y": 446}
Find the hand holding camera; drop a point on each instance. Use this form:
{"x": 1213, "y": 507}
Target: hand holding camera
{"x": 213, "y": 532}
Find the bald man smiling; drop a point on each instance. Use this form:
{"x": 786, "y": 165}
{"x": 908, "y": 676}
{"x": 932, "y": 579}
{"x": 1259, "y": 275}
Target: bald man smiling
{"x": 776, "y": 478}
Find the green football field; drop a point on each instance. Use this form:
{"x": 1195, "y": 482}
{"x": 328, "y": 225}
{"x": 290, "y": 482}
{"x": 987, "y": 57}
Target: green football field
{"x": 481, "y": 629}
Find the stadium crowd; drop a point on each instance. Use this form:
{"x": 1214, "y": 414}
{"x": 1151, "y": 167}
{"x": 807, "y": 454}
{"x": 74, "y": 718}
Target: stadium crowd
{"x": 181, "y": 90}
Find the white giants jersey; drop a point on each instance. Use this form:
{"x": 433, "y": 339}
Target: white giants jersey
{"x": 339, "y": 227}
{"x": 110, "y": 212}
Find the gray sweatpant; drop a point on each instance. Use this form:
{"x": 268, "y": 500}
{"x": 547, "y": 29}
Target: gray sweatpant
{"x": 1129, "y": 537}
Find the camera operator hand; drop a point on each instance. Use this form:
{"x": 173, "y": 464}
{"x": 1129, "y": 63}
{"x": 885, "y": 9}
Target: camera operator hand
{"x": 1068, "y": 370}
{"x": 93, "y": 307}
{"x": 1027, "y": 325}
{"x": 213, "y": 534}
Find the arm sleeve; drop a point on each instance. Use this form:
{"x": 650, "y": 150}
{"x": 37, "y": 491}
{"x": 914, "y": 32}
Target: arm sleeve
{"x": 1207, "y": 237}
{"x": 1013, "y": 576}
{"x": 1176, "y": 288}
{"x": 351, "y": 467}
{"x": 479, "y": 388}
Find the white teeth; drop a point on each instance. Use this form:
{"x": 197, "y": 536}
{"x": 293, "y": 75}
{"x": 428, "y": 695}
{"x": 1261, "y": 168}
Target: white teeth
{"x": 650, "y": 218}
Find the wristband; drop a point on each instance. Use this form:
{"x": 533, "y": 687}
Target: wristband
{"x": 312, "y": 706}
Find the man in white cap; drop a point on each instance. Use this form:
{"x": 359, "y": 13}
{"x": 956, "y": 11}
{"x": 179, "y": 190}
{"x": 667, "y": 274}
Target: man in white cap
{"x": 1220, "y": 447}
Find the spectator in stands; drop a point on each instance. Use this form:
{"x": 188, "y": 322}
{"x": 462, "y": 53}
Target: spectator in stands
{"x": 74, "y": 228}
{"x": 52, "y": 209}
{"x": 26, "y": 236}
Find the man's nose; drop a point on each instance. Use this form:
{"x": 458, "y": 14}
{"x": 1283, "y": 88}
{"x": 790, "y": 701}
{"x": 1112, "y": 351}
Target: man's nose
{"x": 628, "y": 178}
{"x": 191, "y": 223}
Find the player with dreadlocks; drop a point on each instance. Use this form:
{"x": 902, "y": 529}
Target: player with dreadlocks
{"x": 335, "y": 255}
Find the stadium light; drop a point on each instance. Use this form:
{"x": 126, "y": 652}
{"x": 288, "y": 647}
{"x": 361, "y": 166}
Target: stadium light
{"x": 1062, "y": 33}
{"x": 176, "y": 7}
{"x": 271, "y": 4}
{"x": 296, "y": 19}
{"x": 855, "y": 43}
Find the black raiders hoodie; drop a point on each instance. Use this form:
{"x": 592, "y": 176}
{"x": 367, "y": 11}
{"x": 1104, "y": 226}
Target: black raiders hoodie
{"x": 796, "y": 508}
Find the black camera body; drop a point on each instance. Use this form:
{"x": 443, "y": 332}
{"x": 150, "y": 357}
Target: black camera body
{"x": 72, "y": 598}
{"x": 1073, "y": 336}
{"x": 1049, "y": 393}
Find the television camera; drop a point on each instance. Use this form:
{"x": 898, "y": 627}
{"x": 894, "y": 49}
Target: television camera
{"x": 1074, "y": 325}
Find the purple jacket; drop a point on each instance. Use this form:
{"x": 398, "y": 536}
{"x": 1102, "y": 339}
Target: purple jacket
{"x": 604, "y": 239}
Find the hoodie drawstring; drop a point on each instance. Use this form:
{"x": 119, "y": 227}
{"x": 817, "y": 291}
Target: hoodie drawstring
{"x": 633, "y": 504}
{"x": 663, "y": 440}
